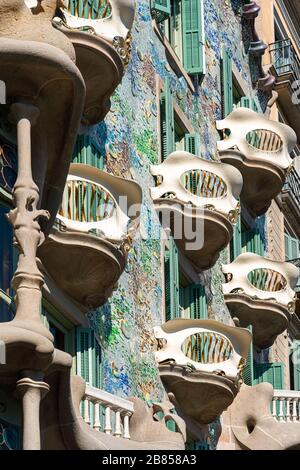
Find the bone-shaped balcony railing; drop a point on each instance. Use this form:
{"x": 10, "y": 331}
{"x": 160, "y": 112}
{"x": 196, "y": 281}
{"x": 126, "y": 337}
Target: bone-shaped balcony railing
{"x": 203, "y": 345}
{"x": 262, "y": 279}
{"x": 96, "y": 201}
{"x": 194, "y": 181}
{"x": 111, "y": 20}
{"x": 257, "y": 137}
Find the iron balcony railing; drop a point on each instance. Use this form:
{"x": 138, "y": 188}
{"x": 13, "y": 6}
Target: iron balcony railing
{"x": 292, "y": 186}
{"x": 285, "y": 59}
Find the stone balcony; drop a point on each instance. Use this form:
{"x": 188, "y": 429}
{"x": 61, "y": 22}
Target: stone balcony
{"x": 100, "y": 34}
{"x": 198, "y": 200}
{"x": 259, "y": 148}
{"x": 88, "y": 245}
{"x": 200, "y": 362}
{"x": 260, "y": 292}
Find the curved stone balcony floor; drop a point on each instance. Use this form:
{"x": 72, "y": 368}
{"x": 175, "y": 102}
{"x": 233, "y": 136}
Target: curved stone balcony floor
{"x": 262, "y": 182}
{"x": 217, "y": 231}
{"x": 44, "y": 76}
{"x": 85, "y": 266}
{"x": 198, "y": 200}
{"x": 259, "y": 292}
{"x": 200, "y": 362}
{"x": 86, "y": 253}
{"x": 259, "y": 148}
{"x": 202, "y": 396}
{"x": 102, "y": 71}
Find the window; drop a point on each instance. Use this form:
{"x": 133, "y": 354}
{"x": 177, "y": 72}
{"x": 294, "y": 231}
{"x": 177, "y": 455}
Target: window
{"x": 88, "y": 357}
{"x": 246, "y": 239}
{"x": 60, "y": 327}
{"x": 183, "y": 298}
{"x": 86, "y": 152}
{"x": 292, "y": 251}
{"x": 295, "y": 366}
{"x": 174, "y": 136}
{"x": 8, "y": 263}
{"x": 226, "y": 82}
{"x": 182, "y": 22}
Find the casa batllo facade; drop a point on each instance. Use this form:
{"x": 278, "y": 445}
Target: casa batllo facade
{"x": 149, "y": 221}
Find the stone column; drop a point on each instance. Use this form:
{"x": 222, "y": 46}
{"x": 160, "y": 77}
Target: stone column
{"x": 31, "y": 389}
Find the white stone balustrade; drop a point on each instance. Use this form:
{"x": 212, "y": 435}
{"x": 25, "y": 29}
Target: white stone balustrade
{"x": 107, "y": 413}
{"x": 286, "y": 406}
{"x": 203, "y": 345}
{"x": 257, "y": 137}
{"x": 107, "y": 19}
{"x": 261, "y": 278}
{"x": 202, "y": 183}
{"x": 98, "y": 201}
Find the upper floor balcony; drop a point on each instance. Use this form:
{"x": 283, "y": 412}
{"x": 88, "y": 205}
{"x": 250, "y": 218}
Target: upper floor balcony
{"x": 200, "y": 362}
{"x": 87, "y": 249}
{"x": 100, "y": 33}
{"x": 286, "y": 69}
{"x": 259, "y": 148}
{"x": 260, "y": 292}
{"x": 198, "y": 200}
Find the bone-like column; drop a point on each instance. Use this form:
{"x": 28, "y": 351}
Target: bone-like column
{"x": 32, "y": 390}
{"x": 27, "y": 280}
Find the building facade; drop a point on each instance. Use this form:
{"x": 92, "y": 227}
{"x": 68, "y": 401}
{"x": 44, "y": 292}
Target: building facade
{"x": 180, "y": 121}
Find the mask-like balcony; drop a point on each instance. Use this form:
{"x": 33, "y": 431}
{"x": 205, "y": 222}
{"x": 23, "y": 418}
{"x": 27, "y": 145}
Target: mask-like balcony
{"x": 198, "y": 200}
{"x": 259, "y": 148}
{"x": 259, "y": 292}
{"x": 200, "y": 362}
{"x": 100, "y": 33}
{"x": 87, "y": 249}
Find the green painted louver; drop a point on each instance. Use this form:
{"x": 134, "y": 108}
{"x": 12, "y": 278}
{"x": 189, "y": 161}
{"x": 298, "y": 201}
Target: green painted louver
{"x": 248, "y": 102}
{"x": 292, "y": 251}
{"x": 296, "y": 364}
{"x": 193, "y": 36}
{"x": 86, "y": 152}
{"x": 167, "y": 121}
{"x": 194, "y": 301}
{"x": 88, "y": 356}
{"x": 227, "y": 85}
{"x": 161, "y": 9}
{"x": 272, "y": 373}
{"x": 252, "y": 242}
{"x": 192, "y": 144}
{"x": 171, "y": 281}
{"x": 248, "y": 371}
{"x": 89, "y": 9}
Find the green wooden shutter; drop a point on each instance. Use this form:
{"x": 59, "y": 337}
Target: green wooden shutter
{"x": 248, "y": 371}
{"x": 86, "y": 152}
{"x": 84, "y": 350}
{"x": 161, "y": 9}
{"x": 272, "y": 373}
{"x": 88, "y": 356}
{"x": 196, "y": 302}
{"x": 172, "y": 291}
{"x": 252, "y": 242}
{"x": 193, "y": 36}
{"x": 94, "y": 9}
{"x": 296, "y": 364}
{"x": 236, "y": 242}
{"x": 192, "y": 144}
{"x": 227, "y": 85}
{"x": 292, "y": 251}
{"x": 167, "y": 121}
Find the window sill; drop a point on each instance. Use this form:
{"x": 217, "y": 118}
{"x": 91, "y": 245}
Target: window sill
{"x": 173, "y": 58}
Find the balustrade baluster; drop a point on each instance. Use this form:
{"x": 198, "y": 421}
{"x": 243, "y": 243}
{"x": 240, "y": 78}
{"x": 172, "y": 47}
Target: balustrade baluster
{"x": 97, "y": 424}
{"x": 281, "y": 409}
{"x": 108, "y": 428}
{"x": 294, "y": 413}
{"x": 126, "y": 433}
{"x": 86, "y": 405}
{"x": 274, "y": 408}
{"x": 118, "y": 427}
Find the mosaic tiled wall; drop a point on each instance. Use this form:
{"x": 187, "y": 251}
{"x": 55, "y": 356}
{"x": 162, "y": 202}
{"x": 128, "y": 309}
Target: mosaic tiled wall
{"x": 129, "y": 140}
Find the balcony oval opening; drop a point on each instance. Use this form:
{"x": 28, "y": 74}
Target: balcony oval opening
{"x": 207, "y": 347}
{"x": 267, "y": 280}
{"x": 85, "y": 201}
{"x": 96, "y": 10}
{"x": 205, "y": 184}
{"x": 264, "y": 140}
